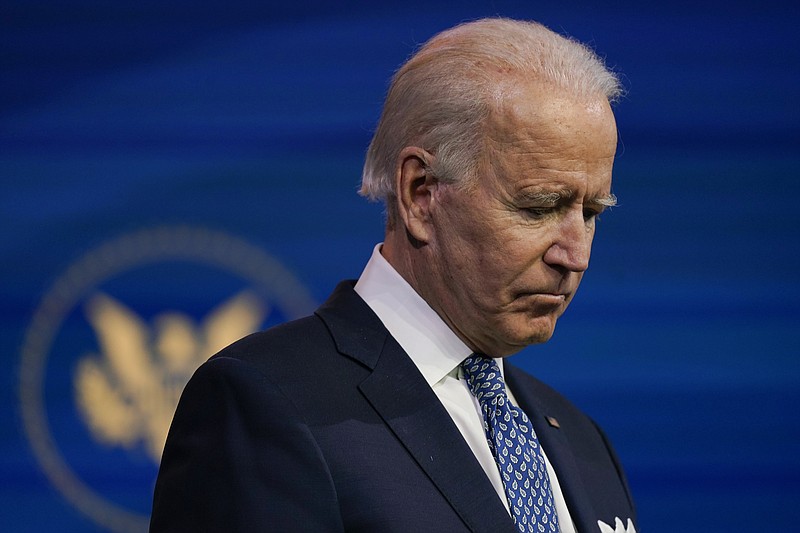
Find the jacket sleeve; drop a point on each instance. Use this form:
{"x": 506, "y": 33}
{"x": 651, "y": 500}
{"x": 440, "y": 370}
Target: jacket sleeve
{"x": 240, "y": 458}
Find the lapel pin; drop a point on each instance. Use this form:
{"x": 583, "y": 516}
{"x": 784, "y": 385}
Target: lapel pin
{"x": 553, "y": 422}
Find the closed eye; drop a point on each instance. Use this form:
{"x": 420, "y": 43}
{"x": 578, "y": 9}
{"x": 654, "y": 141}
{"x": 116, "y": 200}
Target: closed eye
{"x": 538, "y": 212}
{"x": 591, "y": 214}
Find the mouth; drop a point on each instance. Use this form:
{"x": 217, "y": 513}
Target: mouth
{"x": 544, "y": 299}
{"x": 555, "y": 297}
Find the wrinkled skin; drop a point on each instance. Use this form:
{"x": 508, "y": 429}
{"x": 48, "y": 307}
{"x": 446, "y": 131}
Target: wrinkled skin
{"x": 501, "y": 260}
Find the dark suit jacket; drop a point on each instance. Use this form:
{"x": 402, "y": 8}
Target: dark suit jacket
{"x": 325, "y": 424}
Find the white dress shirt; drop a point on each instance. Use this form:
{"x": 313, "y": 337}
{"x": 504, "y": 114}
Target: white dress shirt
{"x": 438, "y": 352}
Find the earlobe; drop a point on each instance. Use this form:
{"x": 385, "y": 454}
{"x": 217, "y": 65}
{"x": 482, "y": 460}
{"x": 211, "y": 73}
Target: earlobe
{"x": 415, "y": 191}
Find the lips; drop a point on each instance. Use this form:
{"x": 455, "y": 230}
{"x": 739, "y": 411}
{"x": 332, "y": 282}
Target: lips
{"x": 551, "y": 297}
{"x": 557, "y": 292}
{"x": 543, "y": 299}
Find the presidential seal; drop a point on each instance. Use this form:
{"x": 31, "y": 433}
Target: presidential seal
{"x": 114, "y": 341}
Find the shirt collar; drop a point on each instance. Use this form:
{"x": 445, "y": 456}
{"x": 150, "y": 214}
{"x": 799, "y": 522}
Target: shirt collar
{"x": 425, "y": 337}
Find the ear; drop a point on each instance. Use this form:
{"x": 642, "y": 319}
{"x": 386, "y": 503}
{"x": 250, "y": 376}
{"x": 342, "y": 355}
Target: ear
{"x": 415, "y": 188}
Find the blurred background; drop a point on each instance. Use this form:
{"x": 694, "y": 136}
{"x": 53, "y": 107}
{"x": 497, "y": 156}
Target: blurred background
{"x": 175, "y": 174}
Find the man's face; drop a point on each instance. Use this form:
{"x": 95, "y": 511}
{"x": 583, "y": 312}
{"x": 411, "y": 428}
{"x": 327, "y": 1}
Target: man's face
{"x": 507, "y": 256}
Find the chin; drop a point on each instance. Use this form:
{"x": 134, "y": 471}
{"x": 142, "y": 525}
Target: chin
{"x": 518, "y": 341}
{"x": 536, "y": 335}
{"x": 518, "y": 332}
{"x": 539, "y": 338}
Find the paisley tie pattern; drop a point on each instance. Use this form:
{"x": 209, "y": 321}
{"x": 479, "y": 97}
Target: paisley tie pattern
{"x": 515, "y": 448}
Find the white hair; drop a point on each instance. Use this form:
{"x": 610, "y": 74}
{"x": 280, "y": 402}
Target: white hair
{"x": 441, "y": 97}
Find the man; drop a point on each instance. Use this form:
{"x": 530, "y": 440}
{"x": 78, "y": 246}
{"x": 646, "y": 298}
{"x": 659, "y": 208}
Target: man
{"x": 493, "y": 156}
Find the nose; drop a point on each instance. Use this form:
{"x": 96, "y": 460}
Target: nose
{"x": 572, "y": 242}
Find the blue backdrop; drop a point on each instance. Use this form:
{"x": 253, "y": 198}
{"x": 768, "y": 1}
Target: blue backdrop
{"x": 174, "y": 154}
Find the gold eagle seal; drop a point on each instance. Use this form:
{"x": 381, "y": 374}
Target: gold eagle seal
{"x": 126, "y": 380}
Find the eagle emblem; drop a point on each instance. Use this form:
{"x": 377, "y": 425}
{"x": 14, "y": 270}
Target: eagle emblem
{"x": 127, "y": 393}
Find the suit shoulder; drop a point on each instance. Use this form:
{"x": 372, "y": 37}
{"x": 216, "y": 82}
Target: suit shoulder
{"x": 284, "y": 344}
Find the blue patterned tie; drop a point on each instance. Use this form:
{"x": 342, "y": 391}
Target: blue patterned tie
{"x": 515, "y": 448}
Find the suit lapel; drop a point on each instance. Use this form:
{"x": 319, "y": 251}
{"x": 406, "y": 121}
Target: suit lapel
{"x": 558, "y": 450}
{"x": 408, "y": 406}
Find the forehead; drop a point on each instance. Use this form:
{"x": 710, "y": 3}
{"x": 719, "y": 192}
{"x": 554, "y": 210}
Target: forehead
{"x": 535, "y": 115}
{"x": 535, "y": 134}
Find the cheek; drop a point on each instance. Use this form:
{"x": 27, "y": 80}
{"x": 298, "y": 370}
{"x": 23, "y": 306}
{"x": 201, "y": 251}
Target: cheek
{"x": 492, "y": 278}
{"x": 523, "y": 249}
{"x": 466, "y": 243}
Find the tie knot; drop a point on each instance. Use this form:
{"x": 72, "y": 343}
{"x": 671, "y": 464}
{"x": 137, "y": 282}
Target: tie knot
{"x": 484, "y": 378}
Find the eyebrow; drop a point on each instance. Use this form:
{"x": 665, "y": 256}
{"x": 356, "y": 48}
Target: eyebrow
{"x": 554, "y": 197}
{"x": 609, "y": 200}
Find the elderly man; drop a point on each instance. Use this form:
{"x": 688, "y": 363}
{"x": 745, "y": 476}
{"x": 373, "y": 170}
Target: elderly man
{"x": 391, "y": 409}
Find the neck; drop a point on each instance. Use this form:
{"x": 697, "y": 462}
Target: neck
{"x": 397, "y": 251}
{"x": 408, "y": 258}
